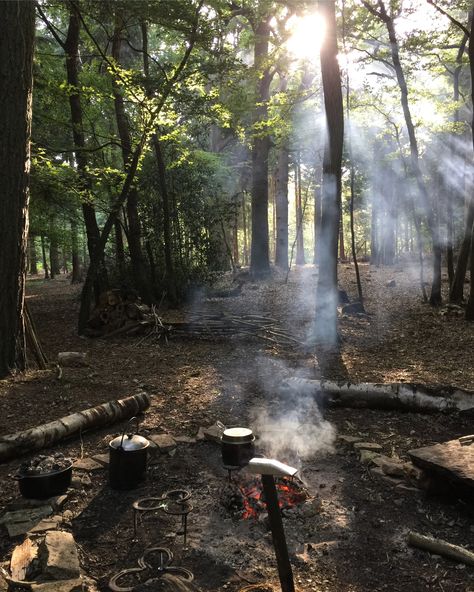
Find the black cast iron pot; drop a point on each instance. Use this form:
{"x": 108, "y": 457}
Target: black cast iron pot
{"x": 127, "y": 460}
{"x": 237, "y": 446}
{"x": 44, "y": 485}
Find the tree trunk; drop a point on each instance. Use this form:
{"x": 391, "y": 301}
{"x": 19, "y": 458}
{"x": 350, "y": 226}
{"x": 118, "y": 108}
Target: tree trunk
{"x": 435, "y": 298}
{"x": 167, "y": 231}
{"x": 45, "y": 259}
{"x": 76, "y": 260}
{"x": 317, "y": 215}
{"x": 281, "y": 207}
{"x": 17, "y": 31}
{"x": 326, "y": 293}
{"x": 470, "y": 302}
{"x": 244, "y": 228}
{"x": 32, "y": 255}
{"x": 54, "y": 266}
{"x": 134, "y": 229}
{"x": 14, "y": 445}
{"x": 259, "y": 257}
{"x": 71, "y": 49}
{"x": 300, "y": 258}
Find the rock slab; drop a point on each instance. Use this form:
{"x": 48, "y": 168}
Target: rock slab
{"x": 449, "y": 460}
{"x": 58, "y": 555}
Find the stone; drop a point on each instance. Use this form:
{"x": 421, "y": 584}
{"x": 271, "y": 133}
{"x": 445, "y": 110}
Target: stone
{"x": 390, "y": 466}
{"x": 86, "y": 481}
{"x": 58, "y": 556}
{"x": 391, "y": 284}
{"x": 87, "y": 464}
{"x": 367, "y": 446}
{"x": 76, "y": 482}
{"x": 47, "y": 524}
{"x": 368, "y": 457}
{"x": 103, "y": 459}
{"x": 348, "y": 439}
{"x": 185, "y": 439}
{"x": 165, "y": 442}
{"x": 213, "y": 433}
{"x": 21, "y": 521}
{"x": 72, "y": 359}
{"x": 3, "y": 583}
{"x": 450, "y": 461}
{"x": 27, "y": 514}
{"x": 377, "y": 472}
{"x": 72, "y": 585}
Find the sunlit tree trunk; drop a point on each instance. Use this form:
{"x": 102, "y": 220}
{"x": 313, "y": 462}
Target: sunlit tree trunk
{"x": 300, "y": 258}
{"x": 326, "y": 292}
{"x": 245, "y": 228}
{"x": 317, "y": 213}
{"x": 17, "y": 31}
{"x": 281, "y": 207}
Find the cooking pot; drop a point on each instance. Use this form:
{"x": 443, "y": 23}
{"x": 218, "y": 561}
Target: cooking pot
{"x": 127, "y": 459}
{"x": 44, "y": 485}
{"x": 237, "y": 446}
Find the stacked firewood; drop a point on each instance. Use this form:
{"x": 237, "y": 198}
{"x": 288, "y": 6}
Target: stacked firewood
{"x": 119, "y": 314}
{"x": 116, "y": 310}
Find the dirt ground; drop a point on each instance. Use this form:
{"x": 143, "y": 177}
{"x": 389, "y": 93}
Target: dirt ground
{"x": 352, "y": 536}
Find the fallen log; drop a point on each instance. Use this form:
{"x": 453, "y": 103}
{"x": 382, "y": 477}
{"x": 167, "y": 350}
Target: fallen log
{"x": 402, "y": 396}
{"x": 14, "y": 445}
{"x": 439, "y": 547}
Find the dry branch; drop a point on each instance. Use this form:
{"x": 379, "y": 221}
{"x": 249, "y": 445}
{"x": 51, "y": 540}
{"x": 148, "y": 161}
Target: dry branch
{"x": 14, "y": 445}
{"x": 439, "y": 547}
{"x": 409, "y": 397}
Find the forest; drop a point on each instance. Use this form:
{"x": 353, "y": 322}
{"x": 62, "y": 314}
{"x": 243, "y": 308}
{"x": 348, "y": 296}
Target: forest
{"x": 226, "y": 213}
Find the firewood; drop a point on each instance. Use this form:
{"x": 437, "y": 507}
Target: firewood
{"x": 14, "y": 445}
{"x": 439, "y": 547}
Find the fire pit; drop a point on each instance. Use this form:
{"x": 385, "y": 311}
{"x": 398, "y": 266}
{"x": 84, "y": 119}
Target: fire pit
{"x": 290, "y": 493}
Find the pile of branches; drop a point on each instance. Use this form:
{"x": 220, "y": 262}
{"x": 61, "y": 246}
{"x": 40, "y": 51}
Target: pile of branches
{"x": 127, "y": 315}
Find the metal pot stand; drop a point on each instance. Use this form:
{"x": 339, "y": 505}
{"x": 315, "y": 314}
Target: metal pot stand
{"x": 173, "y": 502}
{"x": 154, "y": 563}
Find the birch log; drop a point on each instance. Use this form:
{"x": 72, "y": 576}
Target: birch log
{"x": 404, "y": 396}
{"x": 14, "y": 445}
{"x": 439, "y": 547}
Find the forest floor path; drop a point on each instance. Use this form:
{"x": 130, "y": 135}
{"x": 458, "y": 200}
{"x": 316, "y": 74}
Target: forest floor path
{"x": 357, "y": 537}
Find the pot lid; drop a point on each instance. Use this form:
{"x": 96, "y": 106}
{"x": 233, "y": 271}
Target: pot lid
{"x": 236, "y": 435}
{"x": 129, "y": 442}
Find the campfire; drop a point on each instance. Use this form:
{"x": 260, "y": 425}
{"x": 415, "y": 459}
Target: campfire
{"x": 290, "y": 493}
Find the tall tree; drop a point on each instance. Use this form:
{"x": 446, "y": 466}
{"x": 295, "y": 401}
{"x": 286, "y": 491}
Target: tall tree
{"x": 17, "y": 32}
{"x": 389, "y": 20}
{"x": 259, "y": 256}
{"x": 326, "y": 292}
{"x": 141, "y": 281}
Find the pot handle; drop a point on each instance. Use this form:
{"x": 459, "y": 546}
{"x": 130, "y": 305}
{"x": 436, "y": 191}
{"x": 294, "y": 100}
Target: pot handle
{"x": 129, "y": 432}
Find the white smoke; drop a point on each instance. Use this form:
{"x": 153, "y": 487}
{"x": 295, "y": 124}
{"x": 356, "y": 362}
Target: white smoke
{"x": 289, "y": 426}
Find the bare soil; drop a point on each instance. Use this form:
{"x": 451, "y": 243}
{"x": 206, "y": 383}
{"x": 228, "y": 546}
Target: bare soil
{"x": 351, "y": 536}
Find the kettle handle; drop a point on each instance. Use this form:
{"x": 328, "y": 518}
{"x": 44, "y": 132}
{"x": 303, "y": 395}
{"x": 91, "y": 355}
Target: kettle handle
{"x": 129, "y": 433}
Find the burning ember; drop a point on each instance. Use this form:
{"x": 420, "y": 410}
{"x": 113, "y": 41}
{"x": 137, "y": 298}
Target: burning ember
{"x": 290, "y": 493}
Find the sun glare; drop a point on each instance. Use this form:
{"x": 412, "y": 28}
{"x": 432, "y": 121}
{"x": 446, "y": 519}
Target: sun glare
{"x": 307, "y": 34}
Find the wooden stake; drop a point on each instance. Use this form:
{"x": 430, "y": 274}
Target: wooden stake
{"x": 285, "y": 572}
